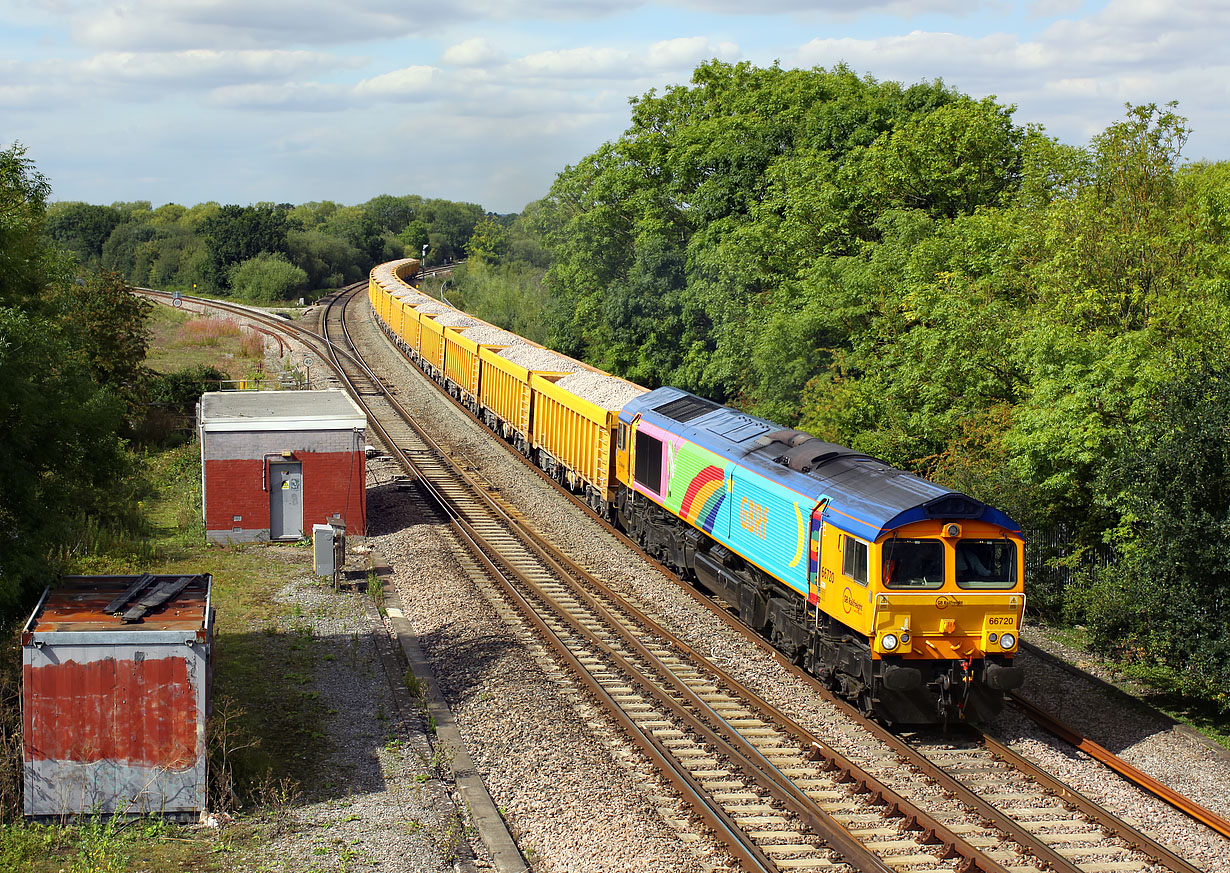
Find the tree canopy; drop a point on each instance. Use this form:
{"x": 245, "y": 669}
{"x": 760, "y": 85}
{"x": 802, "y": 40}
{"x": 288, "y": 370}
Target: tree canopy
{"x": 275, "y": 251}
{"x": 913, "y": 272}
{"x": 69, "y": 358}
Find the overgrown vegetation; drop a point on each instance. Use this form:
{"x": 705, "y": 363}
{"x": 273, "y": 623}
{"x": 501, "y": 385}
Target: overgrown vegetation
{"x": 912, "y": 272}
{"x": 107, "y": 486}
{"x": 265, "y": 736}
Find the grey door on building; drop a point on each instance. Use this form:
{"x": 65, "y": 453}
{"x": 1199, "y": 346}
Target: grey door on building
{"x": 285, "y": 501}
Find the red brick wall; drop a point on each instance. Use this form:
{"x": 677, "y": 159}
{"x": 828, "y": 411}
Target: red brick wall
{"x": 333, "y": 482}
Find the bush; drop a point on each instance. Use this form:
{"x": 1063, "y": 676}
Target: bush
{"x": 268, "y": 278}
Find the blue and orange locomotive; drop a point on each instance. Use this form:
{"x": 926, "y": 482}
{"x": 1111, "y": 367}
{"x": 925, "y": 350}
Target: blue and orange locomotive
{"x": 904, "y": 596}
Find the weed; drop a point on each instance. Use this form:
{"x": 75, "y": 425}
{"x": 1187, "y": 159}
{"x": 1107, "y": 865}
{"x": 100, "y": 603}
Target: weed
{"x": 452, "y": 836}
{"x": 208, "y": 331}
{"x": 225, "y": 738}
{"x": 415, "y": 685}
{"x": 10, "y": 741}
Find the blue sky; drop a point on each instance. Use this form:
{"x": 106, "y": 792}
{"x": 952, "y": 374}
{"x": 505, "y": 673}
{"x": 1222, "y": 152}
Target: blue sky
{"x": 242, "y": 101}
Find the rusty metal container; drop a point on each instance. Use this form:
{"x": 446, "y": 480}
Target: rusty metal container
{"x": 116, "y": 692}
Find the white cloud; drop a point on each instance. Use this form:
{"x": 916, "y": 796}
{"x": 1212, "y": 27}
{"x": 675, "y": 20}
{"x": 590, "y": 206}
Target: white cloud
{"x": 587, "y": 62}
{"x": 203, "y": 67}
{"x": 410, "y": 83}
{"x": 1053, "y": 8}
{"x": 902, "y": 8}
{"x": 143, "y": 25}
{"x": 476, "y": 52}
{"x": 685, "y": 53}
{"x": 1075, "y": 75}
{"x": 286, "y": 96}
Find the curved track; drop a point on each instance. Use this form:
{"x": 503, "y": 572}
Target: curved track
{"x": 777, "y": 796}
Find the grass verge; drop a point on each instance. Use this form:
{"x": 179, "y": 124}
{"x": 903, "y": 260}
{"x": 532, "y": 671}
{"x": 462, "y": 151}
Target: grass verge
{"x": 266, "y": 734}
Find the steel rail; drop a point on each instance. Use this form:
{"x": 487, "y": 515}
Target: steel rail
{"x": 726, "y": 829}
{"x": 736, "y": 840}
{"x": 1184, "y": 804}
{"x": 933, "y": 831}
{"x": 1140, "y": 841}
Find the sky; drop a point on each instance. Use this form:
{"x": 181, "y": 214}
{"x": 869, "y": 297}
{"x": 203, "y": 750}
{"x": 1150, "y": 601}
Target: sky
{"x": 485, "y": 101}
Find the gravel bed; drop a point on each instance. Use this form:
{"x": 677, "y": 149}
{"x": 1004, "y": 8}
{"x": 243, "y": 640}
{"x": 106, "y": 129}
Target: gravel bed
{"x": 606, "y": 391}
{"x": 434, "y": 307}
{"x": 541, "y": 360}
{"x": 553, "y": 767}
{"x": 374, "y": 804}
{"x": 1146, "y": 742}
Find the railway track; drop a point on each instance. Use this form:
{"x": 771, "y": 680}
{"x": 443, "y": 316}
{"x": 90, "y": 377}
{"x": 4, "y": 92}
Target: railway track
{"x": 1036, "y": 831}
{"x": 711, "y": 742}
{"x": 778, "y": 796}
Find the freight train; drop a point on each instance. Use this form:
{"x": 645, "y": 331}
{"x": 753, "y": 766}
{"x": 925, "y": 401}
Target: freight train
{"x": 903, "y": 596}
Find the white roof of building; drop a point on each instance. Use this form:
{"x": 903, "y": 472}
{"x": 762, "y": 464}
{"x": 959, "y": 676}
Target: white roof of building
{"x": 331, "y": 409}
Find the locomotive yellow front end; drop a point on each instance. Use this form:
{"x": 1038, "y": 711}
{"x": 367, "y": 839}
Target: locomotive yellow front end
{"x": 947, "y": 606}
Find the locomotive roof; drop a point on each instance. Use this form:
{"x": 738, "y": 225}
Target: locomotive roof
{"x": 868, "y": 496}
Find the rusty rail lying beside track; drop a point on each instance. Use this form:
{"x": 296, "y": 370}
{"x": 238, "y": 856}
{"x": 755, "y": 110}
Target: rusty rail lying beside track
{"x": 1184, "y": 804}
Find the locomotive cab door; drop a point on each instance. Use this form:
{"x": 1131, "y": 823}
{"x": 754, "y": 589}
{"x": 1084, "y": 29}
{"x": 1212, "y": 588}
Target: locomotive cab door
{"x": 815, "y": 577}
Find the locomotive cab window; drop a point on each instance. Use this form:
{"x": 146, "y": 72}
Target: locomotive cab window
{"x": 917, "y": 564}
{"x": 623, "y": 436}
{"x": 986, "y": 564}
{"x": 648, "y": 461}
{"x": 854, "y": 559}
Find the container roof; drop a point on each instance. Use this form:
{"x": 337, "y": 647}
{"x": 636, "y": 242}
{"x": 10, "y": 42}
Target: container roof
{"x": 80, "y": 603}
{"x": 331, "y": 409}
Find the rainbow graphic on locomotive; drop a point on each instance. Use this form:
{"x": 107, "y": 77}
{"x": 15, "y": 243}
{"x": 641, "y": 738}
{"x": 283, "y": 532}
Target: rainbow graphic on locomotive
{"x": 903, "y": 596}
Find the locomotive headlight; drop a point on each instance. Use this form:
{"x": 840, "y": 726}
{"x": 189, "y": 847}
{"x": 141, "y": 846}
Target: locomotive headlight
{"x": 889, "y": 641}
{"x": 1007, "y": 641}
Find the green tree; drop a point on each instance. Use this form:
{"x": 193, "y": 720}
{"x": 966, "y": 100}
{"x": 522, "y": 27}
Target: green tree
{"x": 450, "y": 226}
{"x": 23, "y": 202}
{"x": 238, "y": 233}
{"x": 54, "y": 416}
{"x": 82, "y": 228}
{"x": 329, "y": 261}
{"x": 391, "y": 213}
{"x": 356, "y": 227}
{"x": 414, "y": 236}
{"x": 109, "y": 330}
{"x": 489, "y": 242}
{"x": 1164, "y": 602}
{"x": 950, "y": 161}
{"x": 268, "y": 278}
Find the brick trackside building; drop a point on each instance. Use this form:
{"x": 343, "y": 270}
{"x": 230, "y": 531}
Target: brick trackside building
{"x": 275, "y": 463}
